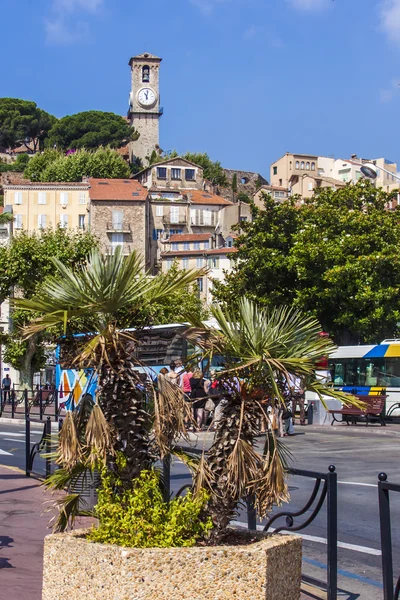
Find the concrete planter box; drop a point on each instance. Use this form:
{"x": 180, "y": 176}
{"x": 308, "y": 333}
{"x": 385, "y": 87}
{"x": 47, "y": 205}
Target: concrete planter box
{"x": 269, "y": 569}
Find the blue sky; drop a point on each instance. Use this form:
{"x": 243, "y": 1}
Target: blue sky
{"x": 244, "y": 80}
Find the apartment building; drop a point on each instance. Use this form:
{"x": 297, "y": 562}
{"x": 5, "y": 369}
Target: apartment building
{"x": 284, "y": 168}
{"x": 173, "y": 174}
{"x": 38, "y": 206}
{"x": 279, "y": 194}
{"x": 119, "y": 215}
{"x": 198, "y": 250}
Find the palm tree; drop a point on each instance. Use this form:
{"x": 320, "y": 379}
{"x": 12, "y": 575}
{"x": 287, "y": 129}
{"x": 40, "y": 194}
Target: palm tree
{"x": 97, "y": 294}
{"x": 265, "y": 349}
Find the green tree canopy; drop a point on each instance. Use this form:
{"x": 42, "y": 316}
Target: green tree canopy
{"x": 211, "y": 170}
{"x": 55, "y": 166}
{"x": 90, "y": 129}
{"x": 22, "y": 120}
{"x": 335, "y": 256}
{"x": 24, "y": 266}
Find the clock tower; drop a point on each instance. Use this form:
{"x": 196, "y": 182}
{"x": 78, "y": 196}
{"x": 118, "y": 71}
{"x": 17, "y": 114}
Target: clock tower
{"x": 144, "y": 104}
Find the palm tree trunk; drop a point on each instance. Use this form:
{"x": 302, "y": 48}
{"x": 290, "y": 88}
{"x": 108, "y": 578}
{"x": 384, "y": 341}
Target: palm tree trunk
{"x": 124, "y": 407}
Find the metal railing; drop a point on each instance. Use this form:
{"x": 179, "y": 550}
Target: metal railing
{"x": 390, "y": 591}
{"x": 328, "y": 491}
{"x": 38, "y": 403}
{"x": 119, "y": 227}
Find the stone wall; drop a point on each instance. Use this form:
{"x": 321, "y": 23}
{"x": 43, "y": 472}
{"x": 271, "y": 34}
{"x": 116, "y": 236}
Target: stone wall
{"x": 74, "y": 569}
{"x": 135, "y": 226}
{"x": 247, "y": 183}
{"x": 148, "y": 127}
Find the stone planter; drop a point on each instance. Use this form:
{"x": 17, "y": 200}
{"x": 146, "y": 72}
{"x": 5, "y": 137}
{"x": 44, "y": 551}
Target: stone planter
{"x": 75, "y": 569}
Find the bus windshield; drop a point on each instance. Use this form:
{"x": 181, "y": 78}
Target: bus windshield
{"x": 363, "y": 371}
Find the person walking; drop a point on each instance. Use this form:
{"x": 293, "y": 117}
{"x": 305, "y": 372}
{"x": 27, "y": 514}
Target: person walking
{"x": 6, "y": 386}
{"x": 199, "y": 397}
{"x": 297, "y": 393}
{"x": 172, "y": 375}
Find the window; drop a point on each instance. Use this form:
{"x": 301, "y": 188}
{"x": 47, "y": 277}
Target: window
{"x": 275, "y": 169}
{"x": 17, "y": 197}
{"x": 297, "y": 164}
{"x": 310, "y": 187}
{"x": 200, "y": 284}
{"x": 213, "y": 262}
{"x": 145, "y": 74}
{"x": 161, "y": 172}
{"x": 157, "y": 234}
{"x": 186, "y": 246}
{"x": 307, "y": 166}
{"x": 63, "y": 221}
{"x": 196, "y": 245}
{"x": 243, "y": 219}
{"x": 41, "y": 221}
{"x": 244, "y": 180}
{"x": 175, "y": 246}
{"x": 302, "y": 164}
{"x": 117, "y": 240}
{"x": 170, "y": 262}
{"x": 313, "y": 166}
{"x": 82, "y": 197}
{"x": 159, "y": 210}
{"x": 290, "y": 165}
{"x": 207, "y": 216}
{"x": 117, "y": 219}
{"x": 229, "y": 243}
{"x": 175, "y": 173}
{"x": 199, "y": 262}
{"x": 81, "y": 221}
{"x": 206, "y": 245}
{"x": 280, "y": 182}
{"x": 41, "y": 198}
{"x": 279, "y": 194}
{"x": 174, "y": 214}
{"x": 190, "y": 174}
{"x": 18, "y": 222}
{"x": 64, "y": 198}
{"x": 185, "y": 263}
{"x": 175, "y": 231}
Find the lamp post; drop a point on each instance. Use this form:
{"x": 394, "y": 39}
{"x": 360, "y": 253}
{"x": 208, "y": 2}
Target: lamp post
{"x": 370, "y": 170}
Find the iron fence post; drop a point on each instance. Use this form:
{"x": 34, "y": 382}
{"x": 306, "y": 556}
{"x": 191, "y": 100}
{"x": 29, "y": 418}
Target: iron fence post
{"x": 166, "y": 470}
{"x": 27, "y": 445}
{"x": 386, "y": 537}
{"x": 60, "y": 424}
{"x": 251, "y": 513}
{"x": 48, "y": 446}
{"x": 56, "y": 405}
{"x": 332, "y": 533}
{"x": 12, "y": 403}
{"x": 40, "y": 405}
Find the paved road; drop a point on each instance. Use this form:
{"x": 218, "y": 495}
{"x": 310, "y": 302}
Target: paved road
{"x": 358, "y": 454}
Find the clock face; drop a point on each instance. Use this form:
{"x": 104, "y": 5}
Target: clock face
{"x": 146, "y": 97}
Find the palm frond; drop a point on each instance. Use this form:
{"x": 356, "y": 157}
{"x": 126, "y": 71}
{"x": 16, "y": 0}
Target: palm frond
{"x": 69, "y": 447}
{"x": 99, "y": 439}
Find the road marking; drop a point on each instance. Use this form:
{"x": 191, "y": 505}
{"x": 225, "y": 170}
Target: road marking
{"x": 344, "y": 573}
{"x": 374, "y": 485}
{"x": 13, "y": 440}
{"x": 12, "y": 434}
{"x": 320, "y": 540}
{"x": 5, "y": 453}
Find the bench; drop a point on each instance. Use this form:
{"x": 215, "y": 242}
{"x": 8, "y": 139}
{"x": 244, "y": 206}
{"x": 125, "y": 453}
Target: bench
{"x": 374, "y": 407}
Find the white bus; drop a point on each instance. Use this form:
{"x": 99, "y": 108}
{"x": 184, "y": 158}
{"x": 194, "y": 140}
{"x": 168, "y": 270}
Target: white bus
{"x": 369, "y": 370}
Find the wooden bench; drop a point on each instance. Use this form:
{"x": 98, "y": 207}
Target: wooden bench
{"x": 374, "y": 407}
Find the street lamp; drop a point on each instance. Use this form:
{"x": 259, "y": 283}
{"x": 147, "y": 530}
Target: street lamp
{"x": 370, "y": 170}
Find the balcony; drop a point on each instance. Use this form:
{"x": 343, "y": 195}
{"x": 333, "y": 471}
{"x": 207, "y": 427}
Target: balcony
{"x": 175, "y": 220}
{"x": 119, "y": 227}
{"x": 126, "y": 248}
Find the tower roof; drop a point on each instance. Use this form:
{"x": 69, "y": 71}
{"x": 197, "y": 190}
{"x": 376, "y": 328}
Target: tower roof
{"x": 145, "y": 56}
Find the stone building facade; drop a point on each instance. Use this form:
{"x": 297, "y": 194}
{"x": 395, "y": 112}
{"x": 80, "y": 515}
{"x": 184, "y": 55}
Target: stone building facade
{"x": 119, "y": 216}
{"x": 248, "y": 183}
{"x": 144, "y": 104}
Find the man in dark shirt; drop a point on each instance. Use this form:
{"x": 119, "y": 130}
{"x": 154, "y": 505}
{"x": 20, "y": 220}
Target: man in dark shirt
{"x": 6, "y": 385}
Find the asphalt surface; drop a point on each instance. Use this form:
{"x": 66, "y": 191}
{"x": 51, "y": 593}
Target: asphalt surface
{"x": 359, "y": 455}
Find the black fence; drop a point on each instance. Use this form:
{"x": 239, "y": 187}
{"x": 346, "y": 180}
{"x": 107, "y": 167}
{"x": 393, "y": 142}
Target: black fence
{"x": 40, "y": 403}
{"x": 391, "y": 591}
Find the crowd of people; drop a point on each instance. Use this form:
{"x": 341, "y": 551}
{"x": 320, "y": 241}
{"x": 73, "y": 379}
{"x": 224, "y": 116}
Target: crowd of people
{"x": 209, "y": 395}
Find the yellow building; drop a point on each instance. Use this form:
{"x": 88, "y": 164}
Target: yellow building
{"x": 41, "y": 205}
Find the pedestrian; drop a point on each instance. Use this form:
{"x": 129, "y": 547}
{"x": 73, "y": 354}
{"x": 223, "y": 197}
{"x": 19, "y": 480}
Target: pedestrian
{"x": 6, "y": 386}
{"x": 172, "y": 374}
{"x": 199, "y": 397}
{"x": 297, "y": 393}
{"x": 287, "y": 419}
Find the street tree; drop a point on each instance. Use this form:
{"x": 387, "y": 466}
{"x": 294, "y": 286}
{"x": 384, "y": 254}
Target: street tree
{"x": 23, "y": 123}
{"x": 335, "y": 256}
{"x": 56, "y": 166}
{"x": 91, "y": 129}
{"x": 25, "y": 265}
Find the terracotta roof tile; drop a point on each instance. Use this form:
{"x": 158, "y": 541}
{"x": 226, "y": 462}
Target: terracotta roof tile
{"x": 190, "y": 237}
{"x": 201, "y": 197}
{"x": 225, "y": 250}
{"x": 117, "y": 189}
